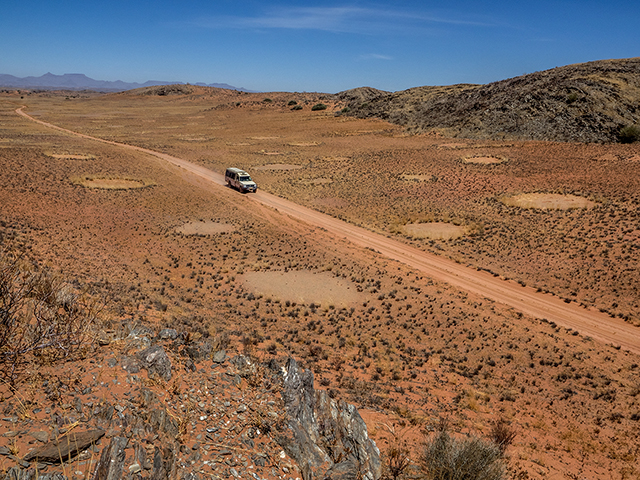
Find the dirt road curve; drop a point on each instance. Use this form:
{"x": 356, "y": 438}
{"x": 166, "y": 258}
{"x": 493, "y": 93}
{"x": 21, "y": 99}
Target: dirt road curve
{"x": 523, "y": 299}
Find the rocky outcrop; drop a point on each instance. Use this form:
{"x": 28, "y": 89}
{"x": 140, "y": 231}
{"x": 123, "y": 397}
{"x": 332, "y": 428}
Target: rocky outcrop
{"x": 589, "y": 102}
{"x": 231, "y": 417}
{"x": 328, "y": 439}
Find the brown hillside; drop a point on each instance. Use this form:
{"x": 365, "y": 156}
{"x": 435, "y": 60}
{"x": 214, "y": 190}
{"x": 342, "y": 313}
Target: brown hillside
{"x": 589, "y": 102}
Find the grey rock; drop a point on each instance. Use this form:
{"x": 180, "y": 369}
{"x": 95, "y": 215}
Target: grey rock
{"x": 53, "y": 476}
{"x": 327, "y": 439}
{"x": 190, "y": 476}
{"x": 220, "y": 356}
{"x": 168, "y": 334}
{"x": 198, "y": 351}
{"x": 163, "y": 464}
{"x": 77, "y": 404}
{"x": 155, "y": 360}
{"x": 65, "y": 447}
{"x": 140, "y": 331}
{"x": 161, "y": 421}
{"x": 41, "y": 436}
{"x": 17, "y": 473}
{"x": 111, "y": 462}
{"x": 131, "y": 364}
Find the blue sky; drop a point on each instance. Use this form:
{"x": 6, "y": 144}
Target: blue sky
{"x": 325, "y": 46}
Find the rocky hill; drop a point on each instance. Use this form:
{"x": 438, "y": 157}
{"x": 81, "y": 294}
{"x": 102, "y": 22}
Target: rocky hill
{"x": 589, "y": 102}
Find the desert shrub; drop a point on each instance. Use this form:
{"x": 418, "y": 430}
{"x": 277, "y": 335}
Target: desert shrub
{"x": 267, "y": 100}
{"x": 297, "y": 107}
{"x": 502, "y": 434}
{"x": 396, "y": 459}
{"x": 630, "y": 134}
{"x": 41, "y": 319}
{"x": 292, "y": 102}
{"x": 447, "y": 458}
{"x": 319, "y": 106}
{"x": 572, "y": 97}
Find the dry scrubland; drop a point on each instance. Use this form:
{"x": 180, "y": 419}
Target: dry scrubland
{"x": 182, "y": 254}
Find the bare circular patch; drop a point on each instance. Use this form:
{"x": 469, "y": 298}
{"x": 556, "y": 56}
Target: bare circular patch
{"x": 204, "y": 228}
{"x": 434, "y": 230}
{"x": 548, "y": 201}
{"x": 304, "y": 144}
{"x": 111, "y": 183}
{"x": 278, "y": 166}
{"x": 302, "y": 287}
{"x": 484, "y": 160}
{"x": 65, "y": 156}
{"x": 194, "y": 139}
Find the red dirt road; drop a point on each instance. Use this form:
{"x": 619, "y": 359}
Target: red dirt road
{"x": 523, "y": 299}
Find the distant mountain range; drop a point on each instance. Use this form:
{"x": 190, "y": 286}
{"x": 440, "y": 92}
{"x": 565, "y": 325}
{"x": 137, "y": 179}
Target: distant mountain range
{"x": 79, "y": 81}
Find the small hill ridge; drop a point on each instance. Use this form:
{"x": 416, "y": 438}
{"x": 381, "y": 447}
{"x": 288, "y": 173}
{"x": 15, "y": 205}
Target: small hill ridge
{"x": 588, "y": 102}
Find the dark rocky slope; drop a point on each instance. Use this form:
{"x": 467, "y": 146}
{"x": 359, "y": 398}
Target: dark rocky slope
{"x": 589, "y": 102}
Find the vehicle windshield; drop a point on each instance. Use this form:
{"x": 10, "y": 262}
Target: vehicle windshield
{"x": 245, "y": 178}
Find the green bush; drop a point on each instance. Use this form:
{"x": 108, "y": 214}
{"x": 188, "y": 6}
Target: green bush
{"x": 319, "y": 106}
{"x": 267, "y": 100}
{"x": 630, "y": 134}
{"x": 446, "y": 458}
{"x": 297, "y": 107}
{"x": 292, "y": 102}
{"x": 572, "y": 97}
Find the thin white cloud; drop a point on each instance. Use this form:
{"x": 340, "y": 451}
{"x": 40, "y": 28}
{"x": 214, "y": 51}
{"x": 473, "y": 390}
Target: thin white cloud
{"x": 375, "y": 56}
{"x": 336, "y": 19}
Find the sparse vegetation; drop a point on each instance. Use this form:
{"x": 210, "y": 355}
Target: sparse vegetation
{"x": 318, "y": 106}
{"x": 445, "y": 457}
{"x": 409, "y": 348}
{"x": 41, "y": 318}
{"x": 630, "y": 134}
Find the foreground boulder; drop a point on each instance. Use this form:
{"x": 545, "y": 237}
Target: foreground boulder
{"x": 328, "y": 439}
{"x": 65, "y": 447}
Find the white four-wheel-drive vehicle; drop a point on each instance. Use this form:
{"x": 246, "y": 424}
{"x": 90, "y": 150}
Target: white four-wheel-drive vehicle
{"x": 240, "y": 180}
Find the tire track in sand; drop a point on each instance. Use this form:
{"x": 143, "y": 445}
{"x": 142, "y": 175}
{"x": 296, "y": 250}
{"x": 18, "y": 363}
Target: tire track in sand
{"x": 526, "y": 300}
